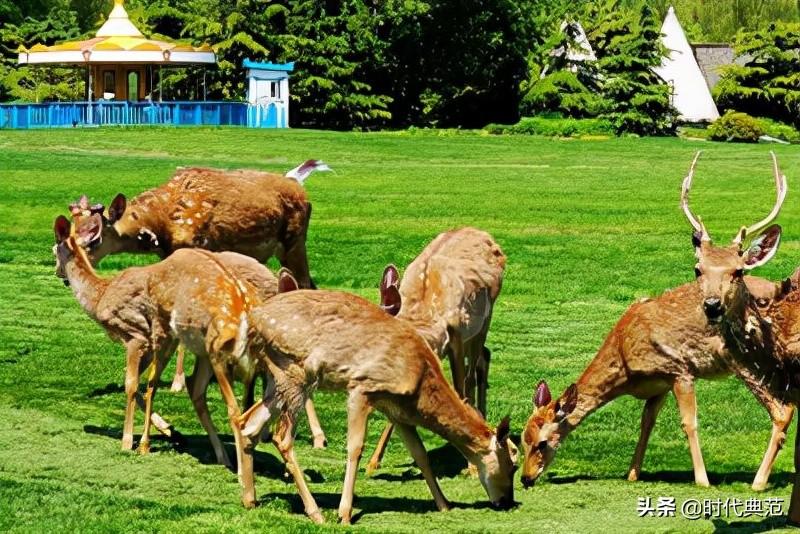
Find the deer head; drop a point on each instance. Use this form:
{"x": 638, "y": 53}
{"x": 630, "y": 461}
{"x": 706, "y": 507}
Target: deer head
{"x": 66, "y": 247}
{"x": 110, "y": 240}
{"x": 545, "y": 429}
{"x": 497, "y": 467}
{"x": 720, "y": 269}
{"x": 390, "y": 292}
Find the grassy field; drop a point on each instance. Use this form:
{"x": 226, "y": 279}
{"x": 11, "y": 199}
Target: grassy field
{"x": 588, "y": 227}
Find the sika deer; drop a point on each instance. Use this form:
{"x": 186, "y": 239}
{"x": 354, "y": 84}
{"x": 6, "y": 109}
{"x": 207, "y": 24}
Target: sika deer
{"x": 339, "y": 341}
{"x": 447, "y": 295}
{"x": 254, "y": 213}
{"x": 666, "y": 344}
{"x": 258, "y": 214}
{"x": 190, "y": 297}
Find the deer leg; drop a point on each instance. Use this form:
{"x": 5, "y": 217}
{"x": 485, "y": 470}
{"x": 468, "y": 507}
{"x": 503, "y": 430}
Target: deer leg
{"x": 420, "y": 456}
{"x": 283, "y": 438}
{"x": 135, "y": 352}
{"x": 781, "y": 419}
{"x": 652, "y": 406}
{"x": 197, "y": 385}
{"x": 687, "y": 406}
{"x": 358, "y": 410}
{"x": 794, "y": 503}
{"x": 244, "y": 456}
{"x": 179, "y": 380}
{"x": 296, "y": 260}
{"x": 380, "y": 449}
{"x": 482, "y": 375}
{"x": 316, "y": 428}
{"x": 156, "y": 368}
{"x": 456, "y": 356}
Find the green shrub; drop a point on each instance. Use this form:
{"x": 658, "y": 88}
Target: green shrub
{"x": 780, "y": 130}
{"x": 736, "y": 126}
{"x": 553, "y": 127}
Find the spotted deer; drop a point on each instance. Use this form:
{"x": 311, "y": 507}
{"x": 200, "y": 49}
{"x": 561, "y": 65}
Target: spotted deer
{"x": 337, "y": 341}
{"x": 258, "y": 214}
{"x": 190, "y": 297}
{"x": 447, "y": 295}
{"x": 665, "y": 344}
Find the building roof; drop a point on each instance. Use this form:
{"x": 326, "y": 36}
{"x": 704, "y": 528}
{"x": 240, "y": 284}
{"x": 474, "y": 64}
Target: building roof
{"x": 117, "y": 41}
{"x": 690, "y": 93}
{"x": 286, "y": 67}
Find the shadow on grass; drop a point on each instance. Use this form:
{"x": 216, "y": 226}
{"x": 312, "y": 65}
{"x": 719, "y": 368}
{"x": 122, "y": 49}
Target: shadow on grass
{"x": 370, "y": 505}
{"x": 765, "y": 525}
{"x": 776, "y": 480}
{"x": 199, "y": 447}
{"x": 112, "y": 388}
{"x": 446, "y": 462}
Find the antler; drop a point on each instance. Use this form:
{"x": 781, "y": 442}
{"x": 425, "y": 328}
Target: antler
{"x": 696, "y": 223}
{"x": 781, "y": 189}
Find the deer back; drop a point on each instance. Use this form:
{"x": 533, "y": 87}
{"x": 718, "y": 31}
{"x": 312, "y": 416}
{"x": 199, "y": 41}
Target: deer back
{"x": 342, "y": 341}
{"x": 455, "y": 280}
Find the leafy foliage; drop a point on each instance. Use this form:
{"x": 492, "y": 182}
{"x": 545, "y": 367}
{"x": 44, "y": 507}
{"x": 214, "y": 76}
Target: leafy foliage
{"x": 569, "y": 83}
{"x": 768, "y": 84}
{"x": 554, "y": 127}
{"x": 628, "y": 45}
{"x": 735, "y": 126}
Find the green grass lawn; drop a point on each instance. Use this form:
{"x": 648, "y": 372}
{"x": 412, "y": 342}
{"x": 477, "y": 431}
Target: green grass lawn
{"x": 588, "y": 227}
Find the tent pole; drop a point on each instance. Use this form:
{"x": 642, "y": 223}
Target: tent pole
{"x": 160, "y": 94}
{"x": 89, "y": 117}
{"x": 205, "y": 92}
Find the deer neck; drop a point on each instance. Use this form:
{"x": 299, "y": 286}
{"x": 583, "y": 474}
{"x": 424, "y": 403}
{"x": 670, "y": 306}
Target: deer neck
{"x": 442, "y": 412}
{"x": 87, "y": 287}
{"x": 743, "y": 329}
{"x": 603, "y": 381}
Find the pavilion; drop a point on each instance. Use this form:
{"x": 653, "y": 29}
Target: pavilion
{"x": 123, "y": 73}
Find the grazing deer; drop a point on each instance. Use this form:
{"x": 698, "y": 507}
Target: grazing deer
{"x": 338, "y": 341}
{"x": 447, "y": 294}
{"x": 255, "y": 213}
{"x": 191, "y": 297}
{"x": 666, "y": 344}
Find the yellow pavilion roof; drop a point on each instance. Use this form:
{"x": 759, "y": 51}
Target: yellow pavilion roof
{"x": 117, "y": 41}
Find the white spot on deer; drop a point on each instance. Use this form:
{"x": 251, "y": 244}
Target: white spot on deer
{"x": 272, "y": 321}
{"x": 196, "y": 280}
{"x": 189, "y": 221}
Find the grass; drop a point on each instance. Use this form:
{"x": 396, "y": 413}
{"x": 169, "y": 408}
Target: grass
{"x": 588, "y": 227}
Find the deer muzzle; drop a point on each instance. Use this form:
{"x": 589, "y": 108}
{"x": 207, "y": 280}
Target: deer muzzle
{"x": 713, "y": 308}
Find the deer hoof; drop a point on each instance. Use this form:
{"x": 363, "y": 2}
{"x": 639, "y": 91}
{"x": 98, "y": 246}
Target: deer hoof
{"x": 633, "y": 475}
{"x": 759, "y": 485}
{"x": 178, "y": 384}
{"x": 316, "y": 517}
{"x": 144, "y": 448}
{"x": 320, "y": 442}
{"x": 127, "y": 443}
{"x": 372, "y": 467}
{"x": 703, "y": 483}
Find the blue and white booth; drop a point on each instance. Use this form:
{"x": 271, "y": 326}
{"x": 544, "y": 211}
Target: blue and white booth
{"x": 268, "y": 94}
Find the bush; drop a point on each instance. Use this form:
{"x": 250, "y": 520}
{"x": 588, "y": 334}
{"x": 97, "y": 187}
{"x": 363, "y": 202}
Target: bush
{"x": 780, "y": 130}
{"x": 553, "y": 127}
{"x": 736, "y": 126}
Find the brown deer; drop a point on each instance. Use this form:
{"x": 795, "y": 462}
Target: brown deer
{"x": 334, "y": 340}
{"x": 447, "y": 294}
{"x": 666, "y": 344}
{"x": 191, "y": 297}
{"x": 255, "y": 213}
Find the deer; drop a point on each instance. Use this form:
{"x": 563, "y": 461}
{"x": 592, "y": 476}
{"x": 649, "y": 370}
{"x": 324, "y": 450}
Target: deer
{"x": 192, "y": 297}
{"x": 447, "y": 294}
{"x": 338, "y": 341}
{"x": 255, "y": 213}
{"x": 667, "y": 343}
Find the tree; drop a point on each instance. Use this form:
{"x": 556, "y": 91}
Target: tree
{"x": 628, "y": 45}
{"x": 768, "y": 84}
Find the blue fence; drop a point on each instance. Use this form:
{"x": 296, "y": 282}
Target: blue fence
{"x": 75, "y": 114}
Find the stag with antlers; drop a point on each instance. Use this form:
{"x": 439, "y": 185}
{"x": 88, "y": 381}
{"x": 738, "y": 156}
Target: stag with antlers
{"x": 666, "y": 343}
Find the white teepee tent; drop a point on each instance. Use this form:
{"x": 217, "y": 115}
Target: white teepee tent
{"x": 691, "y": 96}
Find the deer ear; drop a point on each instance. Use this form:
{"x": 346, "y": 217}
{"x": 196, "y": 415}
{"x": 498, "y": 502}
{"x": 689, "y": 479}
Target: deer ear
{"x": 286, "y": 281}
{"x": 390, "y": 277}
{"x": 503, "y": 430}
{"x": 763, "y": 247}
{"x": 117, "y": 208}
{"x": 567, "y": 402}
{"x": 61, "y": 228}
{"x": 542, "y": 395}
